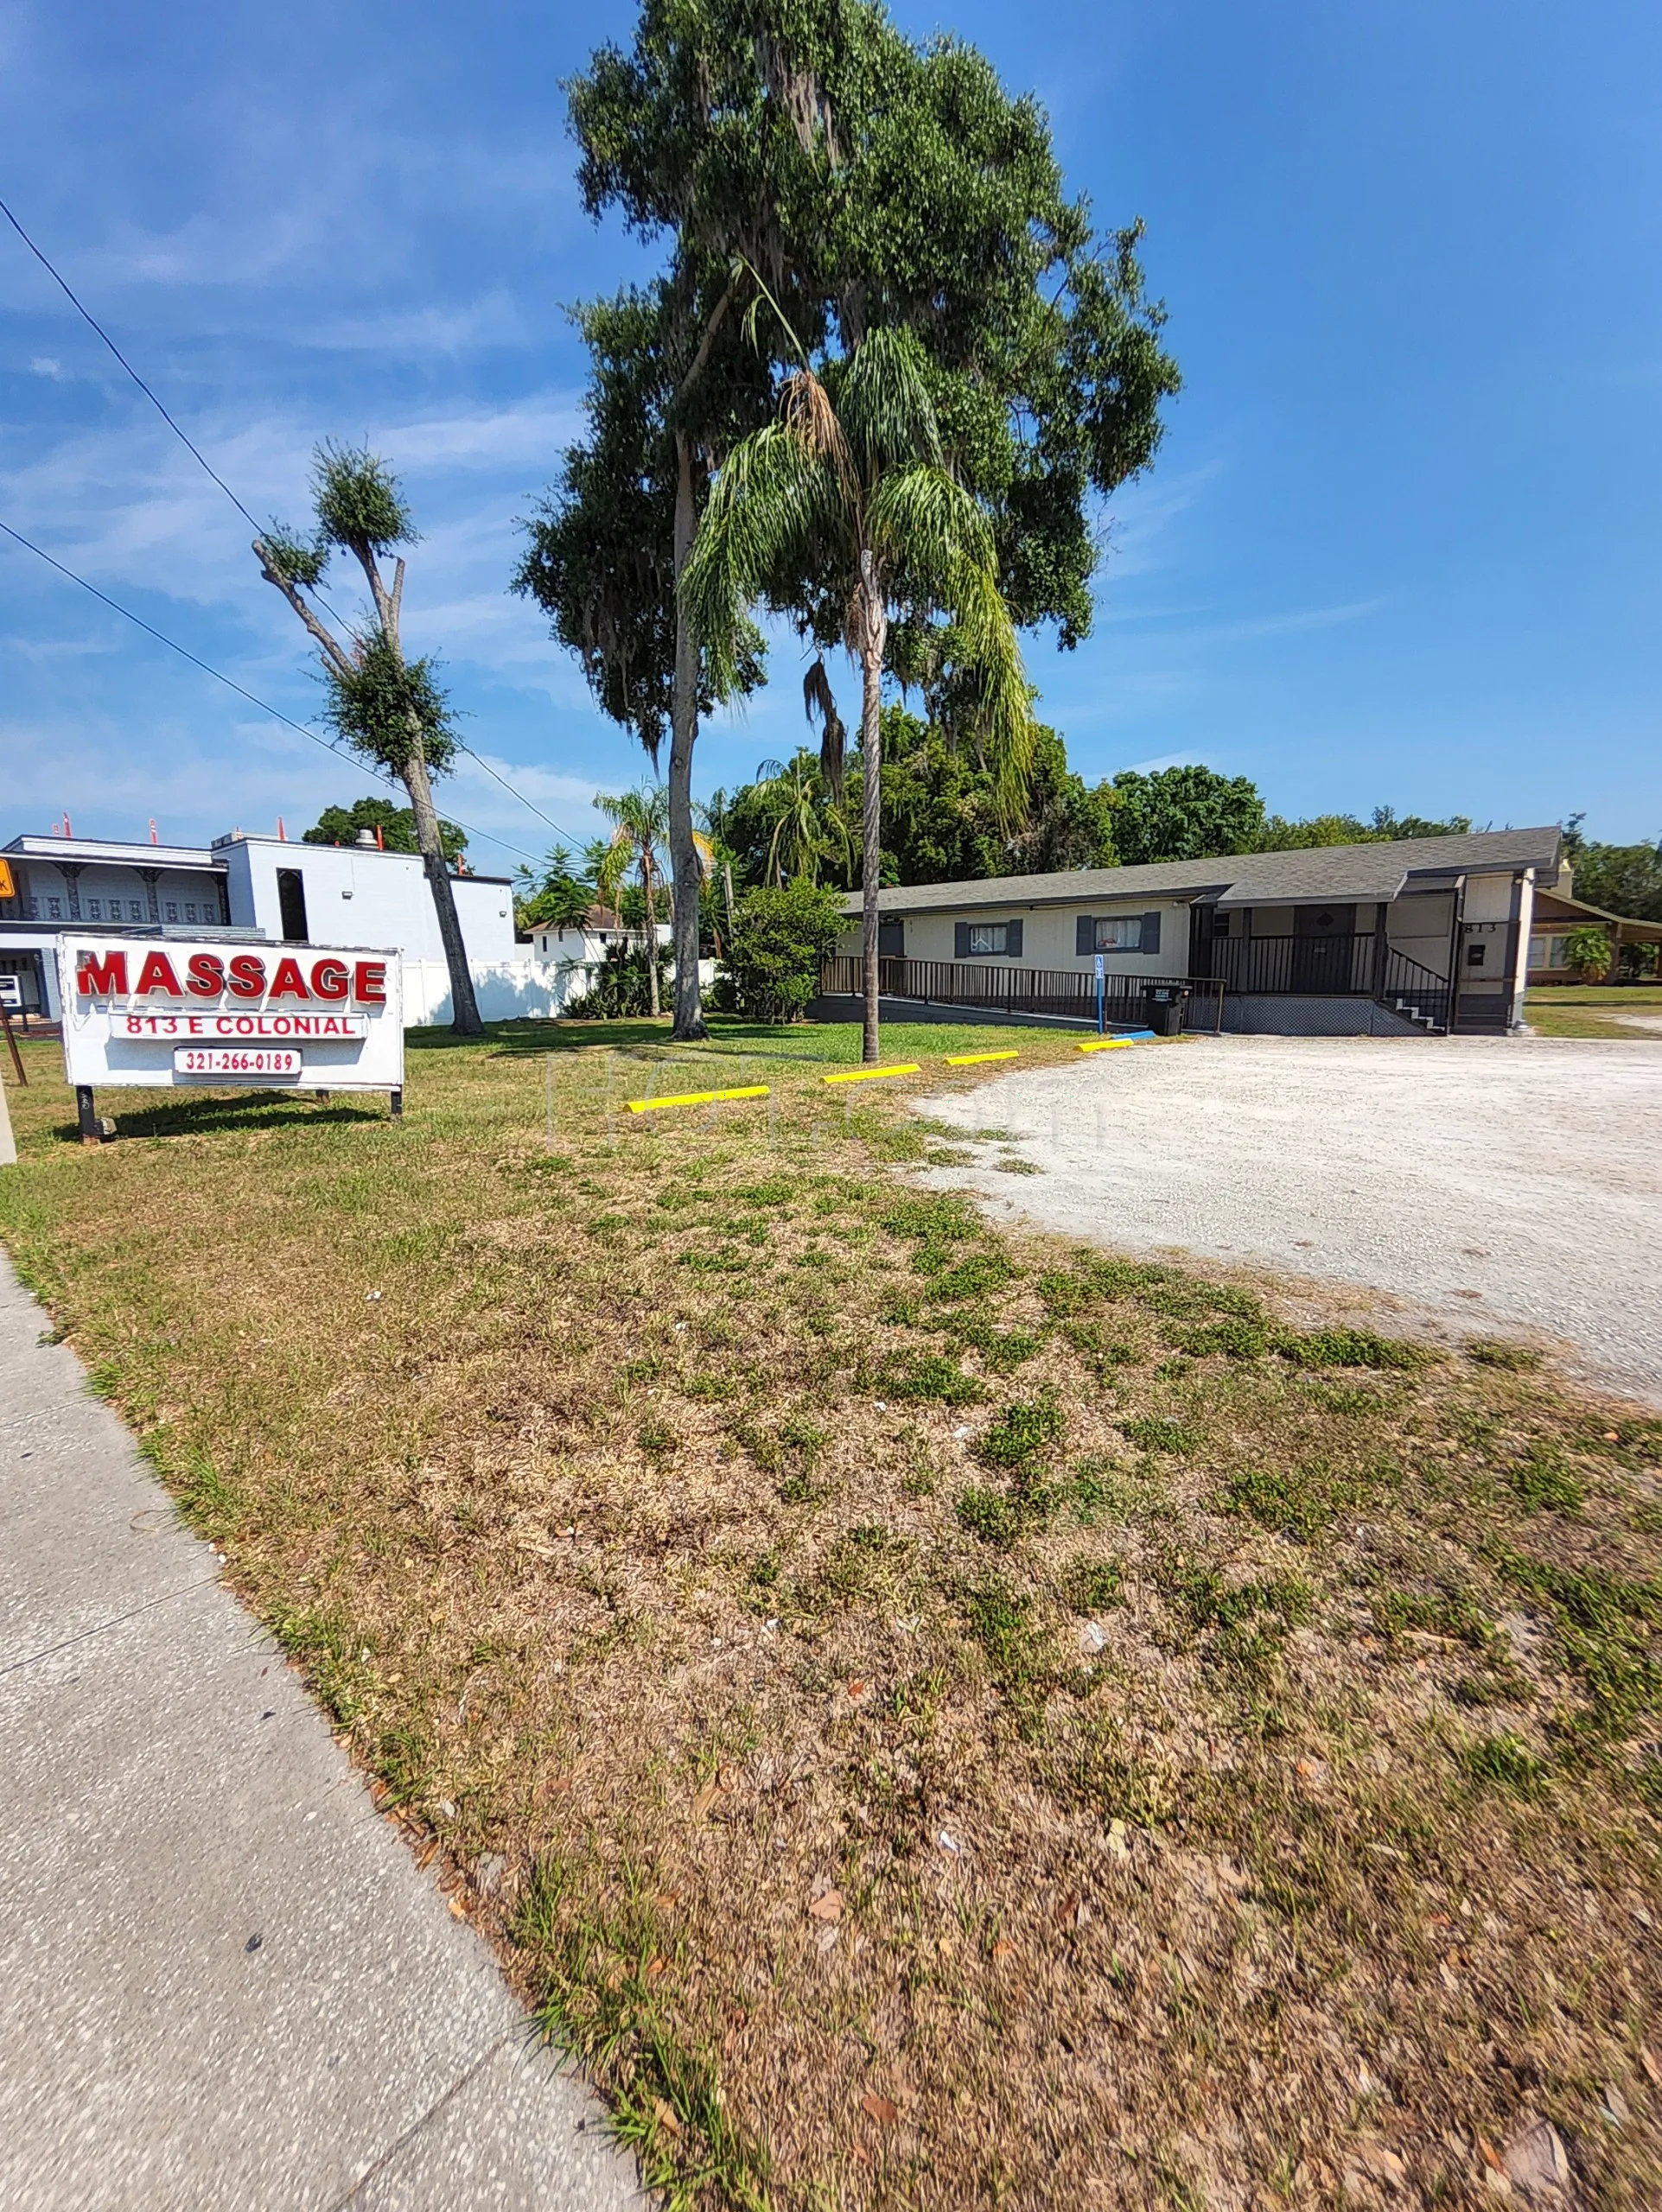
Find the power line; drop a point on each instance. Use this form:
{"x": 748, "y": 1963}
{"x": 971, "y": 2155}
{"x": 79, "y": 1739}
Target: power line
{"x": 92, "y": 323}
{"x": 564, "y": 836}
{"x": 231, "y": 683}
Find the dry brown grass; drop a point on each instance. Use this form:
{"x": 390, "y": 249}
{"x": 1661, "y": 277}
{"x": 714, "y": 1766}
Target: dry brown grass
{"x": 935, "y": 1717}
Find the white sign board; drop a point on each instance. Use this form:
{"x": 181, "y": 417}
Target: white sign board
{"x": 159, "y": 1012}
{"x": 11, "y": 993}
{"x": 1101, "y": 967}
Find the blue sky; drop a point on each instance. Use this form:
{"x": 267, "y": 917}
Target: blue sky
{"x": 1403, "y": 542}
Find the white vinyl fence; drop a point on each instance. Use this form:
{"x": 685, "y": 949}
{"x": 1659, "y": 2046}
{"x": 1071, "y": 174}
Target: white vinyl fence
{"x": 527, "y": 989}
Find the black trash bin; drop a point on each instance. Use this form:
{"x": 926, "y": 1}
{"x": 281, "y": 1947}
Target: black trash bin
{"x": 1165, "y": 1007}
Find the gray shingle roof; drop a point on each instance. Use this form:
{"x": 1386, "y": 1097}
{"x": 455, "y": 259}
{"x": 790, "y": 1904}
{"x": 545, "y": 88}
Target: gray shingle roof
{"x": 1325, "y": 872}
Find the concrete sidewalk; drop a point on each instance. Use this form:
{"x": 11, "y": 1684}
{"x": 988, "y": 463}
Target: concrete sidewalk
{"x": 222, "y": 1981}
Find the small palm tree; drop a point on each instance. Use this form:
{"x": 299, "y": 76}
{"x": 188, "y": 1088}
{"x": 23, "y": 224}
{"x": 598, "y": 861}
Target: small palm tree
{"x": 795, "y": 794}
{"x": 846, "y": 497}
{"x": 557, "y": 899}
{"x": 640, "y": 823}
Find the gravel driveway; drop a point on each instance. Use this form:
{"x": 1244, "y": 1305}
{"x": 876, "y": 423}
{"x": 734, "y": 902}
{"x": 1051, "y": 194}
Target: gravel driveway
{"x": 1505, "y": 1184}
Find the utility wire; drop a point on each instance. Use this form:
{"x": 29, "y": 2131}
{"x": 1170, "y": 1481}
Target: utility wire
{"x": 231, "y": 683}
{"x": 564, "y": 836}
{"x": 92, "y": 323}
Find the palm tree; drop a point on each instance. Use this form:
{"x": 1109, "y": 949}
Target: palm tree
{"x": 795, "y": 794}
{"x": 639, "y": 820}
{"x": 557, "y": 899}
{"x": 846, "y": 497}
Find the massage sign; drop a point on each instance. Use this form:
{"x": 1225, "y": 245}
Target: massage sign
{"x": 152, "y": 1013}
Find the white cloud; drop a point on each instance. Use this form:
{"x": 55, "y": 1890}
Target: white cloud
{"x": 1284, "y": 625}
{"x": 42, "y": 365}
{"x": 495, "y": 319}
{"x": 1184, "y": 759}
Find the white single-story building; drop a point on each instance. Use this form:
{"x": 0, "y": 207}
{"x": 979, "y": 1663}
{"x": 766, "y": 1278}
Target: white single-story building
{"x": 573, "y": 953}
{"x": 265, "y": 887}
{"x": 277, "y": 889}
{"x": 1416, "y": 934}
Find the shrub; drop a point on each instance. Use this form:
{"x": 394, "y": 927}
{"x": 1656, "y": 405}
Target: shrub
{"x": 620, "y": 989}
{"x": 781, "y": 935}
{"x": 1587, "y": 951}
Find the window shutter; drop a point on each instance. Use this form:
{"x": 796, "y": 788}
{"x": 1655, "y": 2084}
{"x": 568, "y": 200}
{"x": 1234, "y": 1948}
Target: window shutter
{"x": 1150, "y": 933}
{"x": 1084, "y": 935}
{"x": 960, "y": 940}
{"x": 1013, "y": 939}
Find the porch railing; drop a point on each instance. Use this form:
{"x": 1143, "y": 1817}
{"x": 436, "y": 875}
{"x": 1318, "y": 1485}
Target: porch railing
{"x": 1354, "y": 963}
{"x": 1324, "y": 964}
{"x": 1411, "y": 988}
{"x": 1066, "y": 992}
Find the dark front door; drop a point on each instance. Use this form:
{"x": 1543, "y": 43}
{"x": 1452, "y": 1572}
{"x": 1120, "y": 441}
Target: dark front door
{"x": 291, "y": 904}
{"x": 1321, "y": 944}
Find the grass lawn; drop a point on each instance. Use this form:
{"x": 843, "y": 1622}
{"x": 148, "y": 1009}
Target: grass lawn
{"x": 1589, "y": 1009}
{"x": 935, "y": 1716}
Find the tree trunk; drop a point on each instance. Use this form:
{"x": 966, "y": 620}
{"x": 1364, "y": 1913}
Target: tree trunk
{"x": 464, "y": 1008}
{"x": 683, "y": 731}
{"x": 647, "y": 871}
{"x": 873, "y": 637}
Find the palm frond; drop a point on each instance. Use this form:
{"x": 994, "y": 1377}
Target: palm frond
{"x": 922, "y": 521}
{"x": 770, "y": 502}
{"x": 884, "y": 405}
{"x": 940, "y": 544}
{"x": 817, "y": 698}
{"x": 807, "y": 411}
{"x": 1003, "y": 717}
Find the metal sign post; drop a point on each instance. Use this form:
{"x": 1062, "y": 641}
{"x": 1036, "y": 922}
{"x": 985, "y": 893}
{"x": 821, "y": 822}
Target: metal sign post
{"x": 1099, "y": 995}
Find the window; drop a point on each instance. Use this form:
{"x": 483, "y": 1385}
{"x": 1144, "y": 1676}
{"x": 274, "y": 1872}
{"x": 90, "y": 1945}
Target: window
{"x": 1219, "y": 922}
{"x": 1548, "y": 952}
{"x": 1116, "y": 933}
{"x": 987, "y": 940}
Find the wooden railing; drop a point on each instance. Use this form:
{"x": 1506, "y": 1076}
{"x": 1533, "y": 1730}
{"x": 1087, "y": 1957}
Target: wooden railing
{"x": 1070, "y": 993}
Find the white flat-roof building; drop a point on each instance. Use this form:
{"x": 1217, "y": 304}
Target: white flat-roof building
{"x": 257, "y": 886}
